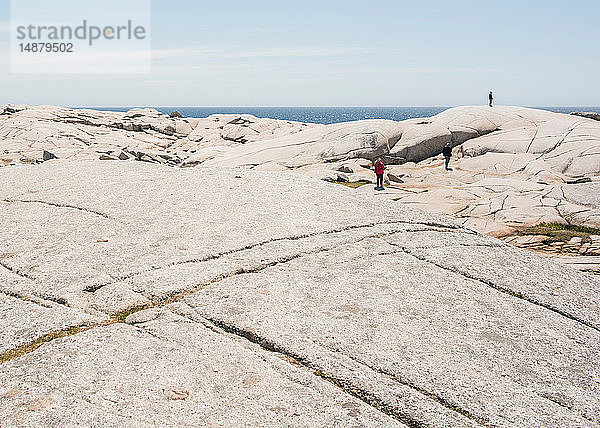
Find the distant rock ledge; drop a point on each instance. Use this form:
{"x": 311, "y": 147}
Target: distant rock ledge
{"x": 589, "y": 114}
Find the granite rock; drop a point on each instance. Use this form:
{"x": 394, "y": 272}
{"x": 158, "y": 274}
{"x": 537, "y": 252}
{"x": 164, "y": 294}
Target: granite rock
{"x": 215, "y": 296}
{"x": 512, "y": 167}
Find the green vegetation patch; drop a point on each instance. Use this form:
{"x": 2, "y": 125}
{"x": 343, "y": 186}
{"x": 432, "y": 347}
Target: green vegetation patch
{"x": 32, "y": 346}
{"x": 561, "y": 232}
{"x": 121, "y": 316}
{"x": 27, "y": 348}
{"x": 354, "y": 184}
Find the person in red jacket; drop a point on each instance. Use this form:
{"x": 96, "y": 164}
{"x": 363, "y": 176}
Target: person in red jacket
{"x": 379, "y": 169}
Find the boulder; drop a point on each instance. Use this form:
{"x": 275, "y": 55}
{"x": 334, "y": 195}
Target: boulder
{"x": 11, "y": 108}
{"x": 183, "y": 127}
{"x": 396, "y": 178}
{"x": 421, "y": 141}
{"x": 46, "y": 155}
{"x": 331, "y": 143}
{"x": 346, "y": 168}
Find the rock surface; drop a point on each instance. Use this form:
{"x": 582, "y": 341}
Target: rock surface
{"x": 589, "y": 115}
{"x": 221, "y": 297}
{"x": 142, "y": 134}
{"x": 512, "y": 167}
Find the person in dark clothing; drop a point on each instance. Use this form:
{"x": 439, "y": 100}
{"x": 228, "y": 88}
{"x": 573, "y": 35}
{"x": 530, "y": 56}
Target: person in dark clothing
{"x": 379, "y": 169}
{"x": 447, "y": 152}
{"x": 491, "y": 97}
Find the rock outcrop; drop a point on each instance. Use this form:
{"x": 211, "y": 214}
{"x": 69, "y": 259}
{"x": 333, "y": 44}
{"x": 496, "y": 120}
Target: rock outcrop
{"x": 536, "y": 167}
{"x": 589, "y": 115}
{"x": 567, "y": 145}
{"x": 367, "y": 139}
{"x": 512, "y": 167}
{"x": 136, "y": 294}
{"x": 143, "y": 134}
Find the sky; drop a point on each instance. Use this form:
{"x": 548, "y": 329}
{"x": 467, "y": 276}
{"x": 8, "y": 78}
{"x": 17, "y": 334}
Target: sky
{"x": 342, "y": 53}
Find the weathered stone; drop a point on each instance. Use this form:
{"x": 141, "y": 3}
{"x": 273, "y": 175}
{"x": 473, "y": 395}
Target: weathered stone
{"x": 580, "y": 180}
{"x": 46, "y": 155}
{"x": 11, "y": 108}
{"x": 421, "y": 141}
{"x": 26, "y": 319}
{"x": 589, "y": 115}
{"x": 277, "y": 299}
{"x": 536, "y": 150}
{"x": 345, "y": 168}
{"x": 171, "y": 371}
{"x": 331, "y": 143}
{"x": 397, "y": 178}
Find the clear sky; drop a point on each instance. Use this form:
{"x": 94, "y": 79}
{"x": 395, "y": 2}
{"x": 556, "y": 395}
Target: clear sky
{"x": 344, "y": 53}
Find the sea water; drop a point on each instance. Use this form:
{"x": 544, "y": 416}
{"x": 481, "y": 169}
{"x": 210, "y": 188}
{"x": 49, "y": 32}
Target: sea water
{"x": 326, "y": 115}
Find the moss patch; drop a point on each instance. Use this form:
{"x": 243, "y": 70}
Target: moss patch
{"x": 27, "y": 348}
{"x": 354, "y": 184}
{"x": 32, "y": 346}
{"x": 561, "y": 232}
{"x": 121, "y": 316}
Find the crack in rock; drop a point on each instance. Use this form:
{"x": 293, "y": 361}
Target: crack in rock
{"x": 27, "y": 348}
{"x": 241, "y": 271}
{"x": 500, "y": 288}
{"x": 59, "y": 205}
{"x": 348, "y": 387}
{"x": 96, "y": 287}
{"x": 17, "y": 272}
{"x": 432, "y": 396}
{"x": 30, "y": 347}
{"x": 556, "y": 399}
{"x": 365, "y": 396}
{"x": 36, "y": 300}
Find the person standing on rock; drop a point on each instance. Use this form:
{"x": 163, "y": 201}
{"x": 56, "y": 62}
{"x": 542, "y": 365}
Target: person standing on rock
{"x": 447, "y": 152}
{"x": 379, "y": 169}
{"x": 491, "y": 97}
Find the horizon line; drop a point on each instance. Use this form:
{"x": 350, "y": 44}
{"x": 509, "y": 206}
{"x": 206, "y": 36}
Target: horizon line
{"x": 319, "y": 106}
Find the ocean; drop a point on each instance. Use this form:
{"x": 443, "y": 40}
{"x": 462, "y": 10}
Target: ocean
{"x": 327, "y": 115}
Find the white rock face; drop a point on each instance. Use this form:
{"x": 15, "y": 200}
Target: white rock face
{"x": 569, "y": 146}
{"x": 142, "y": 134}
{"x": 517, "y": 174}
{"x": 513, "y": 167}
{"x": 363, "y": 139}
{"x": 229, "y": 297}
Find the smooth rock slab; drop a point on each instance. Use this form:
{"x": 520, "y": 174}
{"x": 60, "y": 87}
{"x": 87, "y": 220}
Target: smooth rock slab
{"x": 340, "y": 306}
{"x": 76, "y": 227}
{"x": 497, "y": 357}
{"x": 170, "y": 371}
{"x": 24, "y": 321}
